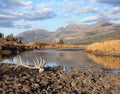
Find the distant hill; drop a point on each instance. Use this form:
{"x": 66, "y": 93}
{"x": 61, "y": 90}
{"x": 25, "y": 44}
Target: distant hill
{"x": 74, "y": 33}
{"x": 34, "y": 35}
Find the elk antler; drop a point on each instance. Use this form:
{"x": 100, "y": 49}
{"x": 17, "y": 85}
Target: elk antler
{"x": 38, "y": 64}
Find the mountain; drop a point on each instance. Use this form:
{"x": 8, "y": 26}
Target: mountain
{"x": 34, "y": 35}
{"x": 74, "y": 33}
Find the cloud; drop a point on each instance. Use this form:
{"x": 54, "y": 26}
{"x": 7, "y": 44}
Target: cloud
{"x": 46, "y": 13}
{"x": 14, "y": 3}
{"x": 11, "y": 16}
{"x": 90, "y": 19}
{"x": 86, "y": 9}
{"x": 16, "y": 10}
{"x": 106, "y": 14}
{"x": 17, "y": 25}
{"x": 41, "y": 5}
{"x": 6, "y": 24}
{"x": 112, "y": 2}
{"x": 23, "y": 24}
{"x": 114, "y": 10}
{"x": 70, "y": 6}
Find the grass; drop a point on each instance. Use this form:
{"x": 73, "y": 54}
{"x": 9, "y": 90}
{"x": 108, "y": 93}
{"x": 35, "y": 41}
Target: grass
{"x": 110, "y": 47}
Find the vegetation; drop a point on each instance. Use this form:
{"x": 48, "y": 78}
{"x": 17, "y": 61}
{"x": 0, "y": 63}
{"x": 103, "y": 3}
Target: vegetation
{"x": 1, "y": 35}
{"x": 10, "y": 37}
{"x": 60, "y": 41}
{"x": 110, "y": 47}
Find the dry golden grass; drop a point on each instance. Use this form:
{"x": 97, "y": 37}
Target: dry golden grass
{"x": 107, "y": 61}
{"x": 63, "y": 46}
{"x": 111, "y": 47}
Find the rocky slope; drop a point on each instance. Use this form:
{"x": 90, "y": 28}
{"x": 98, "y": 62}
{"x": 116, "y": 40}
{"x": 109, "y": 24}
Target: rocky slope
{"x": 75, "y": 33}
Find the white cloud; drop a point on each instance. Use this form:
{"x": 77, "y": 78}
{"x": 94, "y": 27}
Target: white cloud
{"x": 14, "y": 3}
{"x": 106, "y": 14}
{"x": 22, "y": 24}
{"x": 114, "y": 10}
{"x": 86, "y": 9}
{"x": 90, "y": 19}
{"x": 13, "y": 11}
{"x": 43, "y": 14}
{"x": 16, "y": 10}
{"x": 69, "y": 6}
{"x": 40, "y": 6}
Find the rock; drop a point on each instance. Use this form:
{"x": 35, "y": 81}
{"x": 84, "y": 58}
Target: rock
{"x": 53, "y": 80}
{"x": 19, "y": 85}
{"x": 26, "y": 88}
{"x": 35, "y": 85}
{"x": 73, "y": 84}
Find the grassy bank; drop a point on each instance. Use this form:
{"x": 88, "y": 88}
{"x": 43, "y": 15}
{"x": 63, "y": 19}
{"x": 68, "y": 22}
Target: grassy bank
{"x": 110, "y": 47}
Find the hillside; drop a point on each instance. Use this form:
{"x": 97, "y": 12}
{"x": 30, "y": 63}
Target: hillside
{"x": 34, "y": 35}
{"x": 75, "y": 33}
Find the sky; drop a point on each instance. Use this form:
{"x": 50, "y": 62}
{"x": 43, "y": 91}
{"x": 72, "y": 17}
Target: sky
{"x": 17, "y": 16}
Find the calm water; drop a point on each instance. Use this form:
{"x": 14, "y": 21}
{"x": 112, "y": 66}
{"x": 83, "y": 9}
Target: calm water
{"x": 77, "y": 59}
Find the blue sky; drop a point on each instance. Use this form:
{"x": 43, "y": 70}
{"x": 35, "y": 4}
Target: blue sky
{"x": 20, "y": 15}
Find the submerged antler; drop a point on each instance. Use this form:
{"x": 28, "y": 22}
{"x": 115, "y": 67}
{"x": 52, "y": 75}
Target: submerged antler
{"x": 38, "y": 64}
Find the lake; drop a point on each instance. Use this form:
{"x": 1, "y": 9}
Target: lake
{"x": 75, "y": 59}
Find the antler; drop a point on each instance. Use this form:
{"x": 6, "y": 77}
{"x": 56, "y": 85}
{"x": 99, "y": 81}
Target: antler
{"x": 38, "y": 64}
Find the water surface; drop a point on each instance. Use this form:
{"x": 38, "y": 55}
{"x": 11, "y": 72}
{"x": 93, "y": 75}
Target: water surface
{"x": 76, "y": 59}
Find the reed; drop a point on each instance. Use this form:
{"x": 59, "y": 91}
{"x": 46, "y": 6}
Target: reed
{"x": 111, "y": 47}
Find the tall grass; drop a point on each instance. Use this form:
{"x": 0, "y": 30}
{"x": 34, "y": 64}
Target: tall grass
{"x": 111, "y": 47}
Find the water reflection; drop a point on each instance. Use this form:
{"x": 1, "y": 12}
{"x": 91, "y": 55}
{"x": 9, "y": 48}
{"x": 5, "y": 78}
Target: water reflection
{"x": 75, "y": 59}
{"x": 4, "y": 58}
{"x": 107, "y": 61}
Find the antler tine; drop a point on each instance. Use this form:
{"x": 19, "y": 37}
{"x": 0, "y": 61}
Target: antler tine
{"x": 37, "y": 61}
{"x": 27, "y": 62}
{"x": 40, "y": 63}
{"x": 20, "y": 60}
{"x": 43, "y": 63}
{"x": 34, "y": 62}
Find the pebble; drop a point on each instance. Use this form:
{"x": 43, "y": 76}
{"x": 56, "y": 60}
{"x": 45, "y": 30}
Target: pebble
{"x": 56, "y": 81}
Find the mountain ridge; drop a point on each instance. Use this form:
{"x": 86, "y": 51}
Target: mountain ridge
{"x": 74, "y": 33}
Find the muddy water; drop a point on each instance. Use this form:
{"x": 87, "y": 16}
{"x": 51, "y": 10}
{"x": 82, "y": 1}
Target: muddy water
{"x": 76, "y": 59}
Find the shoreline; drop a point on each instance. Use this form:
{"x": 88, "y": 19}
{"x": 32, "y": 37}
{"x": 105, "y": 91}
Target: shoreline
{"x": 54, "y": 80}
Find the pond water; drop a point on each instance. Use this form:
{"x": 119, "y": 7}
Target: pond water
{"x": 76, "y": 59}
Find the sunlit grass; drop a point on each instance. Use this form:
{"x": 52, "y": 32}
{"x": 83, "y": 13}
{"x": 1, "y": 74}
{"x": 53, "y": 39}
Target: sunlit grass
{"x": 111, "y": 47}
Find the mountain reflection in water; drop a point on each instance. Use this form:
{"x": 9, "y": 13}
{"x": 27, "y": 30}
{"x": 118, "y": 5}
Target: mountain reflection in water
{"x": 107, "y": 61}
{"x": 75, "y": 59}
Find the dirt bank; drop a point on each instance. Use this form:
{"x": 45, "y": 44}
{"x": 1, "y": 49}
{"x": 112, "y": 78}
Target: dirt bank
{"x": 56, "y": 81}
